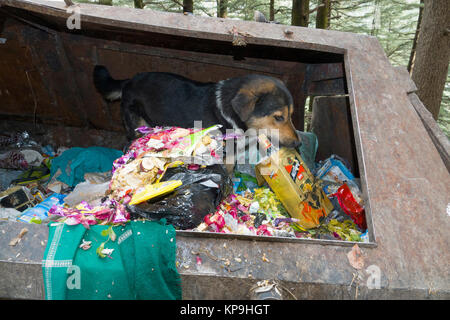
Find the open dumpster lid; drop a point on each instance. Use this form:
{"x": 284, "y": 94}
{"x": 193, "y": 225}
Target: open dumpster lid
{"x": 405, "y": 181}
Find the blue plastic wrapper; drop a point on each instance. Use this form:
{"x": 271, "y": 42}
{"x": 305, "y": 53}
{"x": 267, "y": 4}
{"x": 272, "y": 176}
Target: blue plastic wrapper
{"x": 40, "y": 212}
{"x": 48, "y": 149}
{"x": 334, "y": 170}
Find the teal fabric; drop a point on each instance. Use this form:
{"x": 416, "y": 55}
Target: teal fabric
{"x": 75, "y": 162}
{"x": 308, "y": 149}
{"x": 142, "y": 265}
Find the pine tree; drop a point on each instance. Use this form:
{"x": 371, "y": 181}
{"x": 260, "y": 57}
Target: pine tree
{"x": 432, "y": 54}
{"x": 323, "y": 12}
{"x": 300, "y": 13}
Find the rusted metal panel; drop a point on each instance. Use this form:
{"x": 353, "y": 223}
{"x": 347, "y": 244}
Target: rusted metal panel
{"x": 327, "y": 87}
{"x": 325, "y": 71}
{"x": 331, "y": 122}
{"x": 405, "y": 80}
{"x": 405, "y": 182}
{"x": 325, "y": 79}
{"x": 46, "y": 84}
{"x": 438, "y": 137}
{"x": 21, "y": 87}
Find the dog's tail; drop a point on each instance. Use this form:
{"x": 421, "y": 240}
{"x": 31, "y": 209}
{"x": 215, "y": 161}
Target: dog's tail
{"x": 109, "y": 88}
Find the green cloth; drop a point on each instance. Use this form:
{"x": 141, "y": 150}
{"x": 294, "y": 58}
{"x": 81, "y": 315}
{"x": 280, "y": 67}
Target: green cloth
{"x": 142, "y": 265}
{"x": 75, "y": 162}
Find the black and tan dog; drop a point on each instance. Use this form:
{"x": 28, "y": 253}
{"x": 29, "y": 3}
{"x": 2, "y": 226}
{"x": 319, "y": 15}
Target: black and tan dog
{"x": 165, "y": 99}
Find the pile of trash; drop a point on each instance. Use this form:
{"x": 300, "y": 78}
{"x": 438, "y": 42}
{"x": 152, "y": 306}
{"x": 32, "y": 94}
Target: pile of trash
{"x": 176, "y": 174}
{"x": 94, "y": 185}
{"x": 36, "y": 180}
{"x": 256, "y": 210}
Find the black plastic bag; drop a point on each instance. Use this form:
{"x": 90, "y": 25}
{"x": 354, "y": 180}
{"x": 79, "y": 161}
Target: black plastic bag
{"x": 201, "y": 192}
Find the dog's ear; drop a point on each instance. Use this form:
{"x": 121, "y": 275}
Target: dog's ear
{"x": 244, "y": 104}
{"x": 245, "y": 100}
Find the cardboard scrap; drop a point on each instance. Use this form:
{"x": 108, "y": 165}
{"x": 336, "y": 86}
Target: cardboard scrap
{"x": 17, "y": 239}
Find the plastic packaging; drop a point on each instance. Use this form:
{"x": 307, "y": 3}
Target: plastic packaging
{"x": 186, "y": 207}
{"x": 39, "y": 213}
{"x": 334, "y": 171}
{"x": 365, "y": 236}
{"x": 294, "y": 185}
{"x": 350, "y": 206}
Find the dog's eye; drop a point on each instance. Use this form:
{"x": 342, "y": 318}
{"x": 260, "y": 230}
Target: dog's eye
{"x": 279, "y": 118}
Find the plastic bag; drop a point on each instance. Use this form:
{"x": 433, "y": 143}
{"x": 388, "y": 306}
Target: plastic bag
{"x": 86, "y": 191}
{"x": 201, "y": 192}
{"x": 350, "y": 206}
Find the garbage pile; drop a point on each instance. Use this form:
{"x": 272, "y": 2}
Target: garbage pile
{"x": 254, "y": 210}
{"x": 35, "y": 178}
{"x": 176, "y": 174}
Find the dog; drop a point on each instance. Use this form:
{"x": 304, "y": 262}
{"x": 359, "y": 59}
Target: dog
{"x": 165, "y": 99}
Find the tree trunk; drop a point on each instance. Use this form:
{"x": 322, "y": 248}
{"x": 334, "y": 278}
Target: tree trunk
{"x": 432, "y": 54}
{"x": 413, "y": 49}
{"x": 139, "y": 4}
{"x": 188, "y": 6}
{"x": 322, "y": 19}
{"x": 300, "y": 13}
{"x": 272, "y": 10}
{"x": 222, "y": 8}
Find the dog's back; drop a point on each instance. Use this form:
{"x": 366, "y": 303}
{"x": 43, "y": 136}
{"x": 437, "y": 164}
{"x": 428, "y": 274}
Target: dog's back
{"x": 158, "y": 98}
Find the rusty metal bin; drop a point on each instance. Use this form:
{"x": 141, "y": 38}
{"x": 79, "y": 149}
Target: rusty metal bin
{"x": 364, "y": 110}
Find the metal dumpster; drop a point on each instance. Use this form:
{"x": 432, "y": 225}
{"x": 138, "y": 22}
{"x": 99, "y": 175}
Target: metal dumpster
{"x": 367, "y": 110}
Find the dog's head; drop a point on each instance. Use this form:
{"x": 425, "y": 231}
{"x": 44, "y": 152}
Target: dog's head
{"x": 265, "y": 103}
